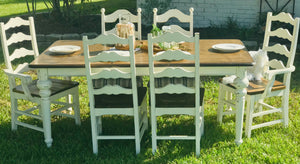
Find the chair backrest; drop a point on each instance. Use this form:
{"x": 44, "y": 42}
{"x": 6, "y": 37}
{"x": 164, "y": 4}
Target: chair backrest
{"x": 175, "y": 13}
{"x": 110, "y": 73}
{"x": 136, "y": 19}
{"x": 287, "y": 49}
{"x": 7, "y": 44}
{"x": 174, "y": 72}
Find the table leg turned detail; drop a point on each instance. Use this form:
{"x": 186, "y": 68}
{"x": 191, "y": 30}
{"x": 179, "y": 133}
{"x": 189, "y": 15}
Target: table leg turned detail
{"x": 241, "y": 82}
{"x": 44, "y": 84}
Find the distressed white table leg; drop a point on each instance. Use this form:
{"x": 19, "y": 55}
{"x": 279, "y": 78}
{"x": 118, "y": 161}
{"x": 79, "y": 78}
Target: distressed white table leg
{"x": 241, "y": 82}
{"x": 69, "y": 97}
{"x": 44, "y": 84}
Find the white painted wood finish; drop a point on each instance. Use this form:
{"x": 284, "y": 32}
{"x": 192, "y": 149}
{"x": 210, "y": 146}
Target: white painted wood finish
{"x": 176, "y": 14}
{"x": 276, "y": 67}
{"x": 138, "y": 112}
{"x": 26, "y": 81}
{"x": 170, "y": 72}
{"x": 115, "y": 16}
{"x": 220, "y": 70}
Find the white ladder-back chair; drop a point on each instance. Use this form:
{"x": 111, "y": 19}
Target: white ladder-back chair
{"x": 258, "y": 91}
{"x": 28, "y": 90}
{"x": 175, "y": 98}
{"x": 114, "y": 99}
{"x": 136, "y": 19}
{"x": 175, "y": 13}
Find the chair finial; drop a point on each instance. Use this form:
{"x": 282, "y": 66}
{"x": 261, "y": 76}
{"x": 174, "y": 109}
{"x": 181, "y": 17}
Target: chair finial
{"x": 191, "y": 9}
{"x": 102, "y": 10}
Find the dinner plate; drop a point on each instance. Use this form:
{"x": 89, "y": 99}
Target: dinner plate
{"x": 228, "y": 47}
{"x": 65, "y": 49}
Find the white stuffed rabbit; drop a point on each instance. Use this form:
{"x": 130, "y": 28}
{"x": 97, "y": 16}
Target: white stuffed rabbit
{"x": 255, "y": 72}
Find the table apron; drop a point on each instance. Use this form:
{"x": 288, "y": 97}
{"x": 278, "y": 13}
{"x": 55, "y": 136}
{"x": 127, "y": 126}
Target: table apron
{"x": 141, "y": 71}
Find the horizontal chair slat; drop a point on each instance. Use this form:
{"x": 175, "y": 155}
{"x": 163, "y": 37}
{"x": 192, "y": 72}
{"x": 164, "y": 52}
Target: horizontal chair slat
{"x": 174, "y": 89}
{"x": 174, "y": 72}
{"x": 176, "y": 137}
{"x": 30, "y": 126}
{"x": 111, "y": 111}
{"x": 187, "y": 111}
{"x": 115, "y": 137}
{"x": 111, "y": 90}
{"x": 173, "y": 55}
{"x": 110, "y": 73}
{"x": 266, "y": 124}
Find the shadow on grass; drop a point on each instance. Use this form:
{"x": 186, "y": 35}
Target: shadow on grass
{"x": 73, "y": 143}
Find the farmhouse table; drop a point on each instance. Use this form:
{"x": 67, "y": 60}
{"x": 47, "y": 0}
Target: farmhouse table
{"x": 212, "y": 63}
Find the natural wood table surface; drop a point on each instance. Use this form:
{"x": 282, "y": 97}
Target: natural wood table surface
{"x": 208, "y": 56}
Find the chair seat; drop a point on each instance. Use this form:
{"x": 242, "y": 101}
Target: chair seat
{"x": 258, "y": 87}
{"x": 56, "y": 87}
{"x": 119, "y": 101}
{"x": 178, "y": 100}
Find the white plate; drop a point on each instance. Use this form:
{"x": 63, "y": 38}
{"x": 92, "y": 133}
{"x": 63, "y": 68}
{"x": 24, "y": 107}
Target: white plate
{"x": 228, "y": 47}
{"x": 65, "y": 49}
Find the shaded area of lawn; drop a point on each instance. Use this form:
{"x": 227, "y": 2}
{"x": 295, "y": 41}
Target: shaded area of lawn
{"x": 86, "y": 17}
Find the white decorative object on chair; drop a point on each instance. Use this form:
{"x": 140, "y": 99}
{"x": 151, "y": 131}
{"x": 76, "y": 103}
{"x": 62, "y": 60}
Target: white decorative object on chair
{"x": 258, "y": 91}
{"x": 175, "y": 97}
{"x": 255, "y": 72}
{"x": 114, "y": 99}
{"x": 28, "y": 89}
{"x": 260, "y": 58}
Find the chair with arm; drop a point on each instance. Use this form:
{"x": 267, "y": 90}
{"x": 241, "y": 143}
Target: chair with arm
{"x": 270, "y": 85}
{"x": 175, "y": 97}
{"x": 22, "y": 86}
{"x": 114, "y": 99}
{"x": 176, "y": 14}
{"x": 116, "y": 15}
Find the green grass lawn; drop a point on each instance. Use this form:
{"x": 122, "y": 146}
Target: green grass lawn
{"x": 72, "y": 144}
{"x": 17, "y": 7}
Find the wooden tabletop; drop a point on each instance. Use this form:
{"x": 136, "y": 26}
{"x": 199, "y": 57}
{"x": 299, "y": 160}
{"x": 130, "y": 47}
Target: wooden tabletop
{"x": 208, "y": 56}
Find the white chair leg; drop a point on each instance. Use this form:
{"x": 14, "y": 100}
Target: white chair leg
{"x": 68, "y": 97}
{"x": 146, "y": 118}
{"x": 94, "y": 134}
{"x": 14, "y": 116}
{"x": 228, "y": 96}
{"x": 220, "y": 104}
{"x": 285, "y": 108}
{"x": 249, "y": 117}
{"x": 145, "y": 111}
{"x": 99, "y": 124}
{"x": 202, "y": 120}
{"x": 76, "y": 107}
{"x": 137, "y": 131}
{"x": 198, "y": 125}
{"x": 260, "y": 106}
{"x": 153, "y": 125}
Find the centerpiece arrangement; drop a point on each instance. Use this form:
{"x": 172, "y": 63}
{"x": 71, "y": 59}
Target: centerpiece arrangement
{"x": 156, "y": 31}
{"x": 125, "y": 28}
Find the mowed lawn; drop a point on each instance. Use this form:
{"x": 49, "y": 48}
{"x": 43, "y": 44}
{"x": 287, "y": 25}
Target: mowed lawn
{"x": 73, "y": 144}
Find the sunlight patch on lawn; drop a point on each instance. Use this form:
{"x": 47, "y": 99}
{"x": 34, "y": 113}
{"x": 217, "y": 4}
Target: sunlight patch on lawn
{"x": 20, "y": 7}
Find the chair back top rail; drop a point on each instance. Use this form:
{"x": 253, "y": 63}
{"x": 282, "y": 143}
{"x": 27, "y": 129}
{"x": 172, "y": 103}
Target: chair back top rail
{"x": 111, "y": 18}
{"x": 175, "y": 13}
{"x": 16, "y": 38}
{"x": 282, "y": 33}
{"x": 173, "y": 72}
{"x": 109, "y": 56}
